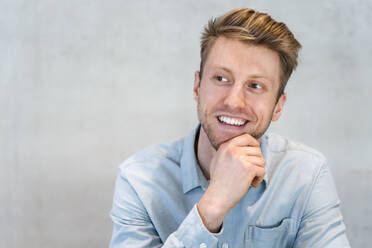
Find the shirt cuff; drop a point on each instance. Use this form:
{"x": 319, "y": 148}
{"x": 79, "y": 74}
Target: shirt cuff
{"x": 193, "y": 233}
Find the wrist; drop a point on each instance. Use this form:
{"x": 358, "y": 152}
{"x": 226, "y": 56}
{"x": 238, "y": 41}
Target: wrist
{"x": 212, "y": 213}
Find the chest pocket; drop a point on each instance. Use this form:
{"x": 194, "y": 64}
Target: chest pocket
{"x": 271, "y": 237}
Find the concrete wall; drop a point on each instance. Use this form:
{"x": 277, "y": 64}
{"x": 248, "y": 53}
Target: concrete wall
{"x": 84, "y": 84}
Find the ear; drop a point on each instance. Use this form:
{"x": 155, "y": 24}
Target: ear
{"x": 279, "y": 107}
{"x": 196, "y": 85}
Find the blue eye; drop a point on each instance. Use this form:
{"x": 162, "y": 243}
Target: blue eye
{"x": 221, "y": 79}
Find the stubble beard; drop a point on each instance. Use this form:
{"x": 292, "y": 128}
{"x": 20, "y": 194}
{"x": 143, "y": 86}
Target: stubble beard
{"x": 212, "y": 137}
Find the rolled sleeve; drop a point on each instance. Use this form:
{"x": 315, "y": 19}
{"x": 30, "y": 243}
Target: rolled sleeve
{"x": 134, "y": 228}
{"x": 193, "y": 233}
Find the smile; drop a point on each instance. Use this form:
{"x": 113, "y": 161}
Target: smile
{"x": 232, "y": 121}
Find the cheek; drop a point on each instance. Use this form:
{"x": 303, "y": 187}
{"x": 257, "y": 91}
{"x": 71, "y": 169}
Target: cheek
{"x": 263, "y": 109}
{"x": 210, "y": 97}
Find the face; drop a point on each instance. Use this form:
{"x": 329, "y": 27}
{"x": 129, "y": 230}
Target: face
{"x": 237, "y": 93}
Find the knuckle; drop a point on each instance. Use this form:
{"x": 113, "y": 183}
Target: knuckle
{"x": 242, "y": 158}
{"x": 223, "y": 146}
{"x": 248, "y": 165}
{"x": 229, "y": 151}
{"x": 248, "y": 136}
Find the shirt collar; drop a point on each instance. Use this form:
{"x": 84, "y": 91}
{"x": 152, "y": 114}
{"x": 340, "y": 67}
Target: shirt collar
{"x": 192, "y": 176}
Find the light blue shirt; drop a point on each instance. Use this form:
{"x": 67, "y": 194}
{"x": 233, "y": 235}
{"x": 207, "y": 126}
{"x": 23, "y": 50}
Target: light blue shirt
{"x": 296, "y": 205}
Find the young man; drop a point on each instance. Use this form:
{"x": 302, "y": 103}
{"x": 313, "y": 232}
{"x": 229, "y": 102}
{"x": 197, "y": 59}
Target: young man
{"x": 196, "y": 192}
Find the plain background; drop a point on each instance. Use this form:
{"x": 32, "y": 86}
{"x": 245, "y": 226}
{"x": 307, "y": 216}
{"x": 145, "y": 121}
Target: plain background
{"x": 84, "y": 84}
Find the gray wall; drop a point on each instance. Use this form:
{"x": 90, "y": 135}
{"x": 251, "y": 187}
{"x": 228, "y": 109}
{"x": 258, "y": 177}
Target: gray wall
{"x": 84, "y": 84}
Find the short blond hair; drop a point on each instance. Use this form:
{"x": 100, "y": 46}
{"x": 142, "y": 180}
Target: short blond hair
{"x": 253, "y": 27}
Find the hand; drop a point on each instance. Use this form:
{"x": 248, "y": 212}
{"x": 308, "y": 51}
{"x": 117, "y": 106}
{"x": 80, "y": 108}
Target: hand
{"x": 236, "y": 166}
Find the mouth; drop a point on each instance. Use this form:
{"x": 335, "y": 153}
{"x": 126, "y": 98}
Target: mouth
{"x": 232, "y": 121}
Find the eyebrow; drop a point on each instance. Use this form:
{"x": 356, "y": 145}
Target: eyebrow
{"x": 225, "y": 69}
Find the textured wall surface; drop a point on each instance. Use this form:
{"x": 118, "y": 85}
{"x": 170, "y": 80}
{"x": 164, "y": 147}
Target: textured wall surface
{"x": 84, "y": 84}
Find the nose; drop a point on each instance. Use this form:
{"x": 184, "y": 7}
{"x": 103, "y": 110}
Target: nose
{"x": 235, "y": 98}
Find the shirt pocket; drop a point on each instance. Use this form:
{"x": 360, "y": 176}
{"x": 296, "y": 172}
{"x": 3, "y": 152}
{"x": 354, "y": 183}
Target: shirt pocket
{"x": 281, "y": 235}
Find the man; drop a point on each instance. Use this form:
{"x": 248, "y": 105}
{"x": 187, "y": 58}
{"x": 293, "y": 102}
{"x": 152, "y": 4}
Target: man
{"x": 196, "y": 192}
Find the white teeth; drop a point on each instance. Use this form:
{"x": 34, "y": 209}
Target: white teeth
{"x": 231, "y": 121}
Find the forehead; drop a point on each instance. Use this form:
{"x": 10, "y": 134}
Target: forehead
{"x": 244, "y": 59}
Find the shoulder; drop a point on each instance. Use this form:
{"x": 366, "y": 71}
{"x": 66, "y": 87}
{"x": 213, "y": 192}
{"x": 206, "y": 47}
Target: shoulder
{"x": 293, "y": 158}
{"x": 280, "y": 144}
{"x": 157, "y": 160}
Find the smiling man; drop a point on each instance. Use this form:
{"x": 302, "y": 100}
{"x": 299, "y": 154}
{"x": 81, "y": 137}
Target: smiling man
{"x": 229, "y": 184}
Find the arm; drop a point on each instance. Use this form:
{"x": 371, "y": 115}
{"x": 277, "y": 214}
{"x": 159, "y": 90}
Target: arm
{"x": 322, "y": 224}
{"x": 237, "y": 165}
{"x": 134, "y": 228}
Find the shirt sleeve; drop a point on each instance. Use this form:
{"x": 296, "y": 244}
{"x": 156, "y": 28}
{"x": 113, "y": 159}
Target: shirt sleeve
{"x": 134, "y": 228}
{"x": 322, "y": 223}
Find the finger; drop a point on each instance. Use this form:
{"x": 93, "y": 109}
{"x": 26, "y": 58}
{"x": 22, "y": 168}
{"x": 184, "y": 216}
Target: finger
{"x": 244, "y": 140}
{"x": 260, "y": 174}
{"x": 256, "y": 182}
{"x": 251, "y": 150}
{"x": 255, "y": 160}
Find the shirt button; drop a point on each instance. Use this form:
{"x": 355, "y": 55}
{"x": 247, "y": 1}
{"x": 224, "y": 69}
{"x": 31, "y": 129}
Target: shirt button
{"x": 203, "y": 245}
{"x": 225, "y": 245}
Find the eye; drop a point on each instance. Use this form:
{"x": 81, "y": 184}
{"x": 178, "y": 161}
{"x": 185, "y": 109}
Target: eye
{"x": 256, "y": 86}
{"x": 221, "y": 79}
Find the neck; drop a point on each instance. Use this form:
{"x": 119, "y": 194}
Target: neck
{"x": 204, "y": 152}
